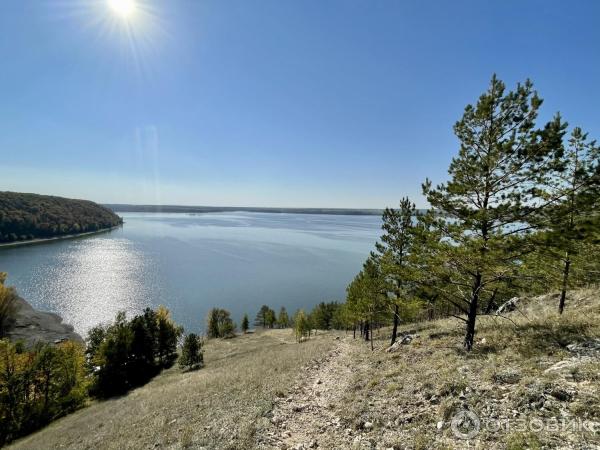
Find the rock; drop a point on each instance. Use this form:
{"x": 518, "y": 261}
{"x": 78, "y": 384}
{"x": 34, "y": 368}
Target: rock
{"x": 30, "y": 326}
{"x": 298, "y": 408}
{"x": 394, "y": 347}
{"x": 562, "y": 394}
{"x": 440, "y": 424}
{"x": 587, "y": 348}
{"x": 507, "y": 376}
{"x": 368, "y": 426}
{"x": 406, "y": 339}
{"x": 508, "y": 306}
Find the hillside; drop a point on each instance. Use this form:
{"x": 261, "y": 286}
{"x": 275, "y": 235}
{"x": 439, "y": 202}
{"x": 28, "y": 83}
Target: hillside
{"x": 32, "y": 216}
{"x": 530, "y": 370}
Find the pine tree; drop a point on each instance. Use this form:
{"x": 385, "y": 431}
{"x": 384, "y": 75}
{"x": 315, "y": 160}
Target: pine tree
{"x": 245, "y": 324}
{"x": 283, "y": 320}
{"x": 191, "y": 352}
{"x": 394, "y": 249}
{"x": 483, "y": 211}
{"x": 367, "y": 296}
{"x": 264, "y": 316}
{"x": 168, "y": 334}
{"x": 301, "y": 325}
{"x": 570, "y": 220}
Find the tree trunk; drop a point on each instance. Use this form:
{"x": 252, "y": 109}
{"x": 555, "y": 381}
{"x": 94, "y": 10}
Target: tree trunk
{"x": 354, "y": 332}
{"x": 565, "y": 283}
{"x": 492, "y": 303}
{"x": 395, "y": 328}
{"x": 472, "y": 314}
{"x": 366, "y": 331}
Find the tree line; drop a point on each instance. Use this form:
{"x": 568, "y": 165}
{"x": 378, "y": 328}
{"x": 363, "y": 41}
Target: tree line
{"x": 520, "y": 212}
{"x": 31, "y": 216}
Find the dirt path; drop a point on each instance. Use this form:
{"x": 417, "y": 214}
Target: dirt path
{"x": 307, "y": 418}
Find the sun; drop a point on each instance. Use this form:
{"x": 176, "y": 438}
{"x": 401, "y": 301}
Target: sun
{"x": 122, "y": 8}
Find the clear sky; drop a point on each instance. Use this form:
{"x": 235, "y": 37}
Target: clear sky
{"x": 270, "y": 102}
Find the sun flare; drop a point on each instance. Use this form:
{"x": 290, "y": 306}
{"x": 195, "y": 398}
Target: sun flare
{"x": 123, "y": 8}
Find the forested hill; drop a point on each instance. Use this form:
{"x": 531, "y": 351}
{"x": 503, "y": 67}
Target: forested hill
{"x": 33, "y": 216}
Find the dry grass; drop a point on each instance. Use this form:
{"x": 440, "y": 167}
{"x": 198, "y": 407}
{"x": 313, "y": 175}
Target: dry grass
{"x": 520, "y": 369}
{"x": 220, "y": 406}
{"x": 506, "y": 378}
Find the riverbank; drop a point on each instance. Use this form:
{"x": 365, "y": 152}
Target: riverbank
{"x": 56, "y": 238}
{"x": 31, "y": 325}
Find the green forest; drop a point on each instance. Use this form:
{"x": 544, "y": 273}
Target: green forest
{"x": 32, "y": 216}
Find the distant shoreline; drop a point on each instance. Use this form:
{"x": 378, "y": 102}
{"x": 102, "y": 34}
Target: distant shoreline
{"x": 55, "y": 238}
{"x": 216, "y": 209}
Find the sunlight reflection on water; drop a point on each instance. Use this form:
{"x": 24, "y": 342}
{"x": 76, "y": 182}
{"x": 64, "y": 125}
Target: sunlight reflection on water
{"x": 91, "y": 281}
{"x": 191, "y": 263}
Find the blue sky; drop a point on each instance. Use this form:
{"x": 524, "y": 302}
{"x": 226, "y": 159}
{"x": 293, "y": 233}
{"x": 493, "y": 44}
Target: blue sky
{"x": 270, "y": 103}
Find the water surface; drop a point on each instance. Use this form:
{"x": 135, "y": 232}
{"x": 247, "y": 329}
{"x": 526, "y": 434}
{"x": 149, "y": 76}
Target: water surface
{"x": 191, "y": 263}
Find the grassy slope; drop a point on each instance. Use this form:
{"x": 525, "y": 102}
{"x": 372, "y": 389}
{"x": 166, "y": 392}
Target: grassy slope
{"x": 520, "y": 368}
{"x": 220, "y": 406}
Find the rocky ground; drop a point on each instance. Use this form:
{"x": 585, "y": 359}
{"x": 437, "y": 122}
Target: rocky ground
{"x": 533, "y": 382}
{"x": 307, "y": 417}
{"x": 31, "y": 325}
